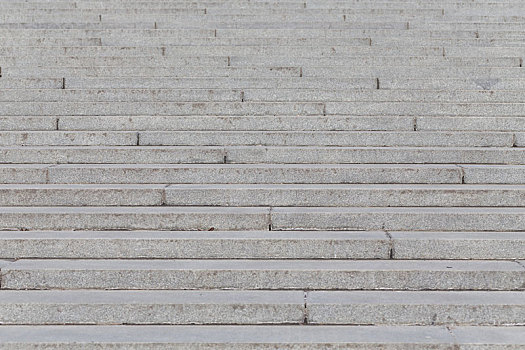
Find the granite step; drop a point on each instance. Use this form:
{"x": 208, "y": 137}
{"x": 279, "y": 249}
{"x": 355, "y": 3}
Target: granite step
{"x": 333, "y": 245}
{"x": 254, "y": 337}
{"x": 249, "y": 173}
{"x": 151, "y": 307}
{"x": 260, "y": 155}
{"x": 263, "y": 218}
{"x": 246, "y": 195}
{"x": 266, "y": 274}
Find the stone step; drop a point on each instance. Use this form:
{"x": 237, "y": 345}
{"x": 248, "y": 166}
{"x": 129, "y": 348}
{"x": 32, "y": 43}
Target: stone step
{"x": 137, "y": 34}
{"x": 427, "y": 109}
{"x": 260, "y": 155}
{"x": 215, "y": 123}
{"x": 246, "y": 173}
{"x": 453, "y": 84}
{"x": 221, "y": 245}
{"x": 313, "y": 138}
{"x": 300, "y": 51}
{"x": 61, "y": 138}
{"x": 228, "y": 195}
{"x": 229, "y": 83}
{"x": 31, "y": 83}
{"x": 376, "y": 60}
{"x": 251, "y": 60}
{"x": 416, "y": 308}
{"x": 383, "y": 74}
{"x": 348, "y": 155}
{"x": 263, "y": 274}
{"x": 151, "y": 307}
{"x": 115, "y": 95}
{"x": 261, "y": 307}
{"x": 400, "y": 218}
{"x": 161, "y": 108}
{"x": 261, "y": 218}
{"x": 458, "y": 123}
{"x": 163, "y": 72}
{"x": 262, "y": 95}
{"x": 91, "y": 61}
{"x": 56, "y": 41}
{"x": 301, "y": 195}
{"x": 81, "y": 195}
{"x": 259, "y": 108}
{"x": 457, "y": 245}
{"x": 262, "y": 245}
{"x": 246, "y": 337}
{"x": 326, "y": 95}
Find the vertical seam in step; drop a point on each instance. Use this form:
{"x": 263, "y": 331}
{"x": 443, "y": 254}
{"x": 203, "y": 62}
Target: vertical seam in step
{"x": 521, "y": 62}
{"x": 408, "y": 25}
{"x": 100, "y": 18}
{"x": 444, "y": 53}
{"x": 138, "y": 138}
{"x": 270, "y": 223}
{"x": 56, "y": 123}
{"x": 305, "y": 309}
{"x": 300, "y": 72}
{"x": 377, "y": 84}
{"x": 514, "y": 140}
{"x": 461, "y": 173}
{"x": 242, "y": 96}
{"x": 63, "y": 83}
{"x": 215, "y": 33}
{"x": 324, "y": 108}
{"x": 229, "y": 61}
{"x": 415, "y": 123}
{"x": 0, "y": 72}
{"x": 163, "y": 200}
{"x": 344, "y": 18}
{"x": 391, "y": 252}
{"x": 454, "y": 340}
{"x": 155, "y": 25}
{"x": 47, "y": 172}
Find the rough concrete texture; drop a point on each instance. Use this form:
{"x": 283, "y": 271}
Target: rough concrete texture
{"x": 262, "y": 174}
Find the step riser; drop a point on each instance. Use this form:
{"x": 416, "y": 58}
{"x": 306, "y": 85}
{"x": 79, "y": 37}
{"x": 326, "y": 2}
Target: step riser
{"x": 338, "y": 219}
{"x": 254, "y": 279}
{"x": 229, "y": 196}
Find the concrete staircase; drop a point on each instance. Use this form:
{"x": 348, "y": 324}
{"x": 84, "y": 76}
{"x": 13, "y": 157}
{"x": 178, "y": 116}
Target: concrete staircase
{"x": 262, "y": 174}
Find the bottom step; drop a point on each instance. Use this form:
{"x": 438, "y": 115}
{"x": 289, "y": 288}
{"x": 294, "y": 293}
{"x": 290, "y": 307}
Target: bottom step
{"x": 260, "y": 337}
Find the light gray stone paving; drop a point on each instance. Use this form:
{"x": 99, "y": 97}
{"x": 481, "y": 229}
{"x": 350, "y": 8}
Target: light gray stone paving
{"x": 193, "y": 245}
{"x": 338, "y": 138}
{"x": 81, "y": 195}
{"x": 262, "y": 174}
{"x": 416, "y": 219}
{"x": 235, "y": 123}
{"x": 254, "y": 173}
{"x": 458, "y": 245}
{"x": 264, "y": 274}
{"x": 151, "y": 307}
{"x": 416, "y": 308}
{"x": 59, "y": 138}
{"x": 134, "y": 218}
{"x": 230, "y": 337}
{"x": 346, "y": 195}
